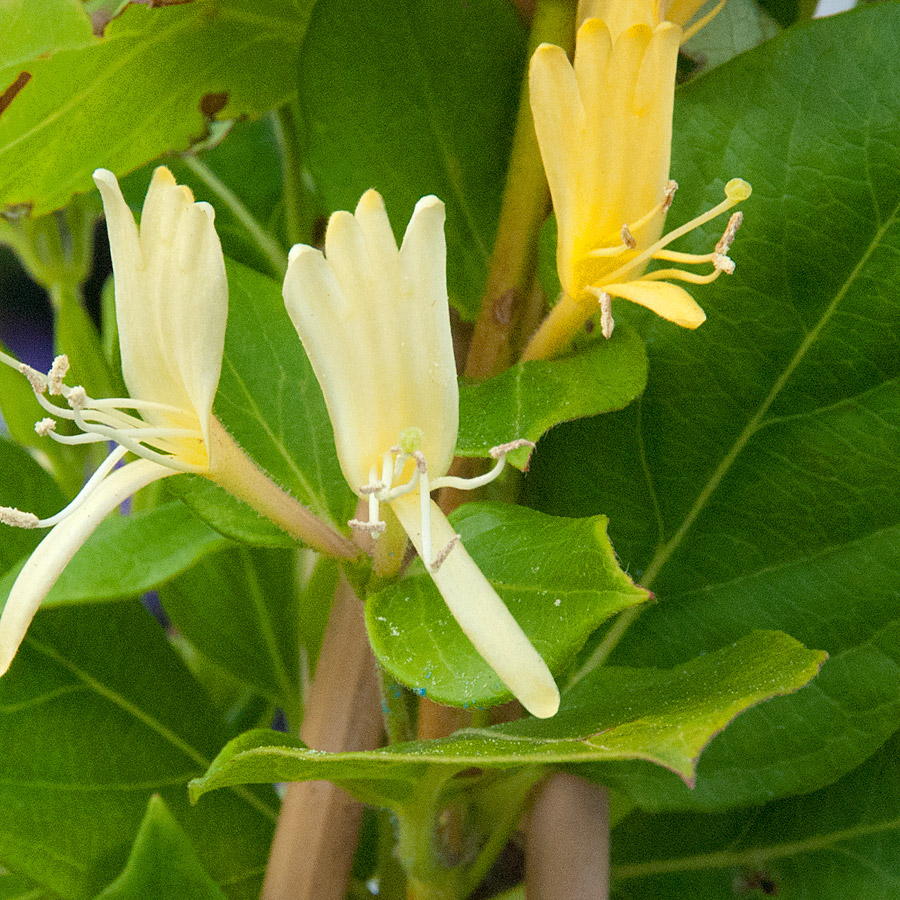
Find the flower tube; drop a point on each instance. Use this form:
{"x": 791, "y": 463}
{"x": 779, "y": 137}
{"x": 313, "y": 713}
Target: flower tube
{"x": 374, "y": 321}
{"x": 604, "y": 126}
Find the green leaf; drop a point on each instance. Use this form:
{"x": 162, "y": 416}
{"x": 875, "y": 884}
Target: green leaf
{"x": 531, "y": 397}
{"x": 31, "y": 30}
{"x": 97, "y": 712}
{"x": 26, "y": 486}
{"x": 151, "y": 83}
{"x": 666, "y": 716}
{"x": 239, "y": 608}
{"x": 129, "y": 555}
{"x": 559, "y": 578}
{"x": 428, "y": 108}
{"x": 750, "y": 485}
{"x": 840, "y": 842}
{"x": 162, "y": 863}
{"x": 271, "y": 404}
{"x": 12, "y": 887}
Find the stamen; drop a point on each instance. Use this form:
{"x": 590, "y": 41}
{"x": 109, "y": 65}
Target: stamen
{"x": 628, "y": 238}
{"x": 57, "y": 373}
{"x": 101, "y": 472}
{"x": 76, "y": 397}
{"x": 724, "y": 263}
{"x": 502, "y": 449}
{"x": 372, "y": 488}
{"x": 9, "y": 515}
{"x": 37, "y": 380}
{"x": 470, "y": 484}
{"x": 439, "y": 559}
{"x": 372, "y": 528}
{"x": 671, "y": 188}
{"x": 45, "y": 426}
{"x": 731, "y": 231}
{"x": 421, "y": 464}
{"x": 425, "y": 511}
{"x": 606, "y": 318}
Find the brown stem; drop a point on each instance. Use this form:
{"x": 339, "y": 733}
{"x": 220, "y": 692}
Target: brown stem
{"x": 316, "y": 836}
{"x": 567, "y": 850}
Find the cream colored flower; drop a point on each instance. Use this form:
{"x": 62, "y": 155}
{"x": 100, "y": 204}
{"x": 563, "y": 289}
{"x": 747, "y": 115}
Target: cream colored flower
{"x": 374, "y": 321}
{"x": 171, "y": 308}
{"x": 604, "y": 125}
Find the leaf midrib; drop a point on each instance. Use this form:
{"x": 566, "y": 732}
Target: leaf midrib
{"x": 665, "y": 550}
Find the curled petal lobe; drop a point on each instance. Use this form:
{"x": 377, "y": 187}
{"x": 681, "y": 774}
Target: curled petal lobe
{"x": 667, "y": 300}
{"x": 60, "y": 545}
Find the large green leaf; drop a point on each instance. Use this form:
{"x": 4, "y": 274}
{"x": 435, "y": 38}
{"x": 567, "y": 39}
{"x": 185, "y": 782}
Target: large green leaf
{"x": 666, "y": 716}
{"x": 12, "y": 887}
{"x": 30, "y": 30}
{"x": 128, "y": 555}
{"x": 751, "y": 485}
{"x": 96, "y": 713}
{"x": 162, "y": 863}
{"x": 239, "y": 608}
{"x": 150, "y": 83}
{"x": 838, "y": 843}
{"x": 531, "y": 397}
{"x": 559, "y": 577}
{"x": 416, "y": 97}
{"x": 270, "y": 402}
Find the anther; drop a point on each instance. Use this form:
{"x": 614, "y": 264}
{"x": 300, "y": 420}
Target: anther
{"x": 606, "y": 320}
{"x": 37, "y": 380}
{"x": 723, "y": 263}
{"x": 628, "y": 238}
{"x": 373, "y": 528}
{"x": 442, "y": 556}
{"x": 671, "y": 187}
{"x": 730, "y": 233}
{"x": 421, "y": 464}
{"x": 9, "y": 515}
{"x": 45, "y": 426}
{"x": 76, "y": 397}
{"x": 503, "y": 449}
{"x": 57, "y": 373}
{"x": 372, "y": 488}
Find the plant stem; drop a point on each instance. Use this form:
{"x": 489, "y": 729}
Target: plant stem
{"x": 523, "y": 210}
{"x": 316, "y": 836}
{"x": 567, "y": 852}
{"x": 271, "y": 250}
{"x": 288, "y": 138}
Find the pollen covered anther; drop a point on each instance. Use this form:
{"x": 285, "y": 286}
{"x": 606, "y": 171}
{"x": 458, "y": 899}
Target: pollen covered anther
{"x": 56, "y": 375}
{"x": 607, "y": 323}
{"x": 439, "y": 559}
{"x": 9, "y": 515}
{"x": 628, "y": 239}
{"x": 373, "y": 528}
{"x": 45, "y": 426}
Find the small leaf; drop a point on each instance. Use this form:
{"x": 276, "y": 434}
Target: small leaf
{"x": 129, "y": 555}
{"x": 162, "y": 863}
{"x": 559, "y": 578}
{"x": 531, "y": 397}
{"x": 665, "y": 716}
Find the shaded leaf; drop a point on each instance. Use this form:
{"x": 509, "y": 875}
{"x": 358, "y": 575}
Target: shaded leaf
{"x": 559, "y": 578}
{"x": 162, "y": 863}
{"x": 428, "y": 108}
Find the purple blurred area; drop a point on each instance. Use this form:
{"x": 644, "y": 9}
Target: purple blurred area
{"x": 26, "y": 319}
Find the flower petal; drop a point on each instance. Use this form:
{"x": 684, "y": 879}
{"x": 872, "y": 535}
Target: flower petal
{"x": 54, "y": 552}
{"x": 667, "y": 300}
{"x": 482, "y": 615}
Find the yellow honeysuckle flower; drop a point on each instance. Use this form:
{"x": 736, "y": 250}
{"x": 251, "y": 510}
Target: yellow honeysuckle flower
{"x": 621, "y": 14}
{"x": 374, "y": 321}
{"x": 604, "y": 126}
{"x": 171, "y": 311}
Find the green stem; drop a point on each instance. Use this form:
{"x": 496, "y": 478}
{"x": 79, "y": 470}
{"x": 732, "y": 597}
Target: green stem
{"x": 288, "y": 137}
{"x": 524, "y": 207}
{"x": 271, "y": 250}
{"x": 398, "y": 723}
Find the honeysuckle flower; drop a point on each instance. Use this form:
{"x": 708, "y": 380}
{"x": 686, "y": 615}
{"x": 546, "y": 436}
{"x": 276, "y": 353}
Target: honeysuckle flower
{"x": 171, "y": 311}
{"x": 621, "y": 14}
{"x": 374, "y": 321}
{"x": 604, "y": 126}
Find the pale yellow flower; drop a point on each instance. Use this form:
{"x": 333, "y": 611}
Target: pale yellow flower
{"x": 374, "y": 321}
{"x": 604, "y": 125}
{"x": 622, "y": 14}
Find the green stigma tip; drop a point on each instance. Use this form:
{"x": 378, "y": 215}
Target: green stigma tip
{"x": 411, "y": 439}
{"x": 737, "y": 190}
